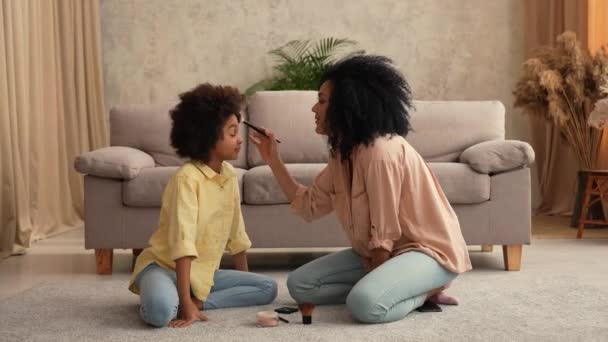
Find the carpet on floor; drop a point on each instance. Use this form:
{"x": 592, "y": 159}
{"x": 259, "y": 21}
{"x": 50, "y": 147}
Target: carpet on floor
{"x": 561, "y": 294}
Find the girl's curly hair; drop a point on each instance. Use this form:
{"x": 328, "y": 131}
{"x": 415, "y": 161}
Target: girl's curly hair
{"x": 199, "y": 117}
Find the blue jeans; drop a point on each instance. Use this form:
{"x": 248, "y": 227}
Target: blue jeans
{"x": 386, "y": 294}
{"x": 160, "y": 301}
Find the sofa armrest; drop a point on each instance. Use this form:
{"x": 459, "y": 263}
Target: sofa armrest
{"x": 498, "y": 156}
{"x": 113, "y": 162}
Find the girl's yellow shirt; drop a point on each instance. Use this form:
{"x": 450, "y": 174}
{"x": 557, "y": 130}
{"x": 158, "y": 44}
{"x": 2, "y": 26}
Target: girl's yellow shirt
{"x": 200, "y": 217}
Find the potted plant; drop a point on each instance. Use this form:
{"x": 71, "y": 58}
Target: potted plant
{"x": 300, "y": 64}
{"x": 563, "y": 84}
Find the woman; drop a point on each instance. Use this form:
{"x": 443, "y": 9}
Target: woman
{"x": 406, "y": 241}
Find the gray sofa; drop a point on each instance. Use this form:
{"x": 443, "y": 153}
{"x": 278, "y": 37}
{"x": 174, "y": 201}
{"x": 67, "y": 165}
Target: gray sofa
{"x": 485, "y": 178}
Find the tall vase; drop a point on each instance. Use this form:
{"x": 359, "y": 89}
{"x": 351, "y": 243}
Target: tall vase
{"x": 596, "y": 211}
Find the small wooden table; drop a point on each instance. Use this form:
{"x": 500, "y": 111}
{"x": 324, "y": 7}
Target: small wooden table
{"x": 597, "y": 184}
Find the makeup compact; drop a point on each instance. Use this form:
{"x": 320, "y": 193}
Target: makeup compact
{"x": 267, "y": 319}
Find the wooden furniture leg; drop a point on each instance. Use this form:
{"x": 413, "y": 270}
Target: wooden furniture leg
{"x": 103, "y": 259}
{"x": 597, "y": 185}
{"x": 136, "y": 252}
{"x": 512, "y": 256}
{"x": 585, "y": 208}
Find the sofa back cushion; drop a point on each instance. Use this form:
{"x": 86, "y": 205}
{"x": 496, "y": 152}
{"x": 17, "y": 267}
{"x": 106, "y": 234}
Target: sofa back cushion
{"x": 148, "y": 128}
{"x": 288, "y": 114}
{"x": 442, "y": 130}
{"x": 146, "y": 190}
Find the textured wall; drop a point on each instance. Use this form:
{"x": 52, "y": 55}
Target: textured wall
{"x": 448, "y": 49}
{"x": 466, "y": 49}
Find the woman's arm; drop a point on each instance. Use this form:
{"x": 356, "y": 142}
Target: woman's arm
{"x": 286, "y": 181}
{"x": 310, "y": 203}
{"x": 270, "y": 153}
{"x": 379, "y": 257}
{"x": 383, "y": 182}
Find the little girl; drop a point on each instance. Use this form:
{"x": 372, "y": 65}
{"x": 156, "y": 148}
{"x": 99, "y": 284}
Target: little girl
{"x": 178, "y": 275}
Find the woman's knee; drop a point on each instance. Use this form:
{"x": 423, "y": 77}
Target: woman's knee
{"x": 158, "y": 311}
{"x": 300, "y": 285}
{"x": 365, "y": 306}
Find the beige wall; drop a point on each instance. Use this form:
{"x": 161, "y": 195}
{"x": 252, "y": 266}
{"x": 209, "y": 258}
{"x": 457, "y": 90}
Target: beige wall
{"x": 465, "y": 49}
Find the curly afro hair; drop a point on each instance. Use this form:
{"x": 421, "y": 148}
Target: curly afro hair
{"x": 369, "y": 98}
{"x": 199, "y": 117}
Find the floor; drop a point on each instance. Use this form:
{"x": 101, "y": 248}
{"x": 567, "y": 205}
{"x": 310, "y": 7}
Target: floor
{"x": 63, "y": 258}
{"x": 559, "y": 295}
{"x": 558, "y": 227}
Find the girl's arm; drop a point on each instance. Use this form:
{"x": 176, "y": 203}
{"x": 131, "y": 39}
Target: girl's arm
{"x": 238, "y": 242}
{"x": 240, "y": 261}
{"x": 182, "y": 206}
{"x": 182, "y": 269}
{"x": 188, "y": 311}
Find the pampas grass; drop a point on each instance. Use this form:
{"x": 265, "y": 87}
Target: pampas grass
{"x": 563, "y": 84}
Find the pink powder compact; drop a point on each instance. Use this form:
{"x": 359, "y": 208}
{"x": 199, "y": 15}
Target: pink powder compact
{"x": 267, "y": 319}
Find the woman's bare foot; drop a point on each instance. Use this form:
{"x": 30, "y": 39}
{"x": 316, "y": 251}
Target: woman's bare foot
{"x": 438, "y": 296}
{"x": 443, "y": 298}
{"x": 434, "y": 292}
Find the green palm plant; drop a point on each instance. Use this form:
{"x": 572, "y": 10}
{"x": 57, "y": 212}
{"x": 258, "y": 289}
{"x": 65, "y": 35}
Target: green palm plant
{"x": 300, "y": 64}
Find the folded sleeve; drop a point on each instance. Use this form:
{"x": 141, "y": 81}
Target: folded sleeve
{"x": 383, "y": 183}
{"x": 239, "y": 240}
{"x": 182, "y": 207}
{"x": 314, "y": 202}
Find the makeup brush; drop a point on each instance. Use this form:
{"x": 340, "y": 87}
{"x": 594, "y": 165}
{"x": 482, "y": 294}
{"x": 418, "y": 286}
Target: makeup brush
{"x": 306, "y": 309}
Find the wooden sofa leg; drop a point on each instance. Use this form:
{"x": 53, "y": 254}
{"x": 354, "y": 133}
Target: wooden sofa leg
{"x": 512, "y": 256}
{"x": 136, "y": 253}
{"x": 487, "y": 248}
{"x": 103, "y": 258}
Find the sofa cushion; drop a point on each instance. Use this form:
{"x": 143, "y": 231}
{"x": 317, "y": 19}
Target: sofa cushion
{"x": 146, "y": 190}
{"x": 498, "y": 156}
{"x": 443, "y": 129}
{"x": 148, "y": 128}
{"x": 260, "y": 186}
{"x": 460, "y": 183}
{"x": 288, "y": 114}
{"x": 113, "y": 162}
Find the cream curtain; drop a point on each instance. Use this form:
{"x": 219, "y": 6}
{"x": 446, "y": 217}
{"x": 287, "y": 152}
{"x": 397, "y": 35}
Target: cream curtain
{"x": 51, "y": 106}
{"x": 556, "y": 164}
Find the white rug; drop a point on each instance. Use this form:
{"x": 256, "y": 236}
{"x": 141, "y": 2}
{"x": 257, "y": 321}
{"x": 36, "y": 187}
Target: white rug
{"x": 561, "y": 294}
